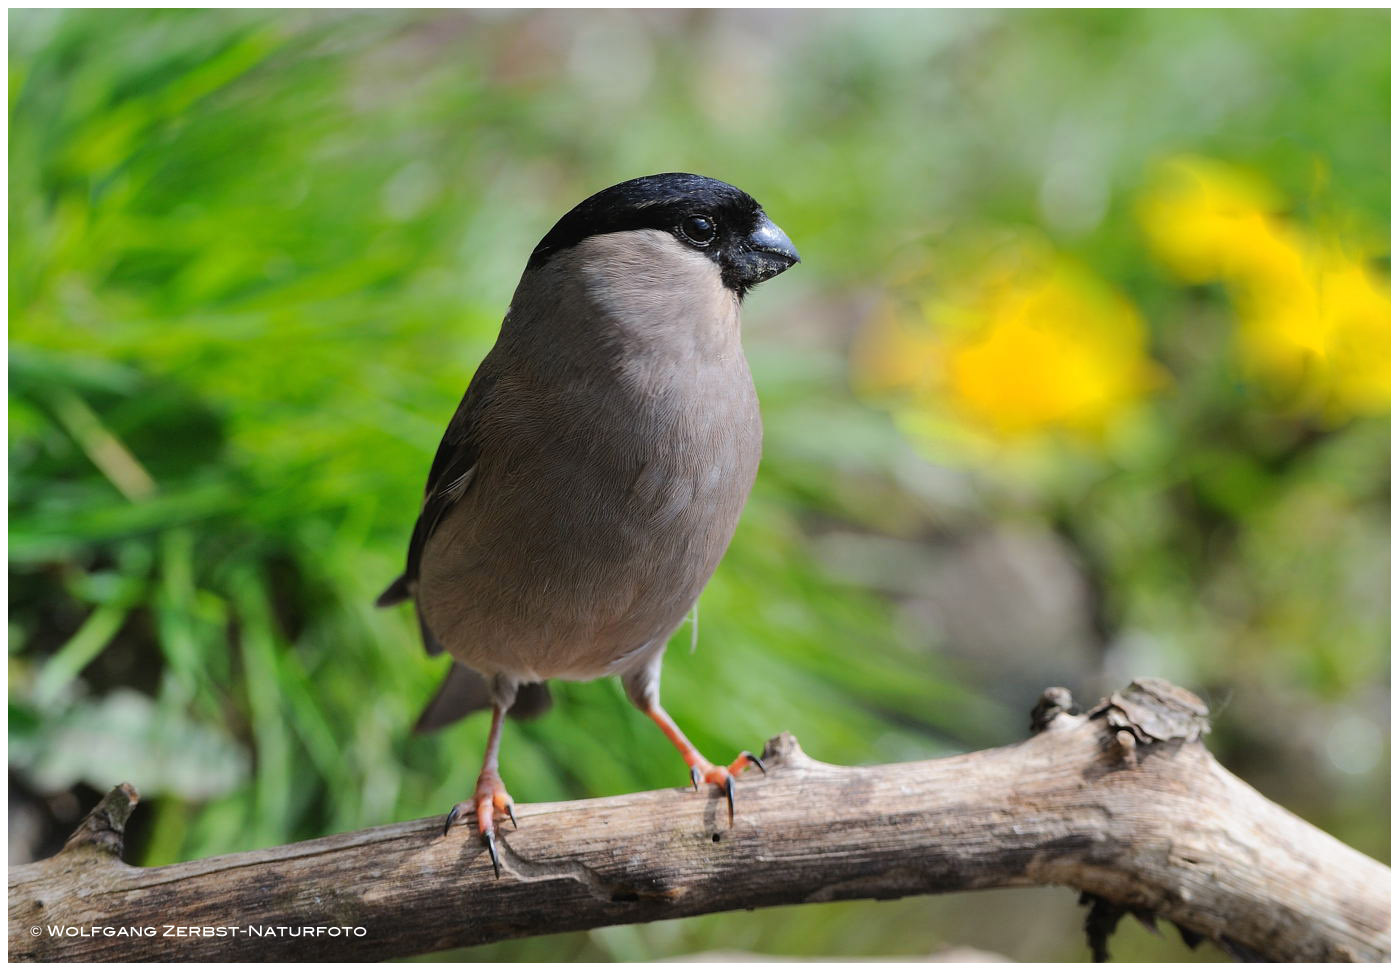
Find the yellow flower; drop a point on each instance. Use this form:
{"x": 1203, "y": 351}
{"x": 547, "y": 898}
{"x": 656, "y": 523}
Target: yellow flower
{"x": 1320, "y": 330}
{"x": 1207, "y": 221}
{"x": 1313, "y": 319}
{"x": 1032, "y": 343}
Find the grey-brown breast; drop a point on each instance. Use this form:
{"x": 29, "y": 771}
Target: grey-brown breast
{"x": 610, "y": 471}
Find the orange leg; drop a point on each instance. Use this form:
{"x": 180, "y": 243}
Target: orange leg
{"x": 490, "y": 797}
{"x": 700, "y": 767}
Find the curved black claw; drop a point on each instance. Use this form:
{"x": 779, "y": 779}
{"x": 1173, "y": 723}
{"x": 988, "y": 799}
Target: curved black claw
{"x": 489, "y": 837}
{"x": 452, "y": 817}
{"x": 755, "y": 760}
{"x": 729, "y": 791}
{"x": 510, "y": 808}
{"x": 694, "y": 777}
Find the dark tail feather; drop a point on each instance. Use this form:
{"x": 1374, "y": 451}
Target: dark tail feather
{"x": 464, "y": 691}
{"x": 395, "y": 594}
{"x": 531, "y": 701}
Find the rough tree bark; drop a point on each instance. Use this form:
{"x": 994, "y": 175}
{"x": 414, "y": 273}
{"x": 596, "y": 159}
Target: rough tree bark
{"x": 1122, "y": 803}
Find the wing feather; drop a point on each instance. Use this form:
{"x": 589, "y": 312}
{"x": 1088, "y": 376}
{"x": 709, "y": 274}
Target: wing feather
{"x": 453, "y": 469}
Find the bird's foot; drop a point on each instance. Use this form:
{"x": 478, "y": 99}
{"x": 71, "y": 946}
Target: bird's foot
{"x": 490, "y": 799}
{"x": 701, "y": 770}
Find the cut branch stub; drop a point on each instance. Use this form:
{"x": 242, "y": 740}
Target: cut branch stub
{"x": 103, "y": 830}
{"x": 784, "y": 751}
{"x": 1053, "y": 703}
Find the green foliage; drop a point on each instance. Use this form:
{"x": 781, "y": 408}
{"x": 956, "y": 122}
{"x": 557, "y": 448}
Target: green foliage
{"x": 255, "y": 256}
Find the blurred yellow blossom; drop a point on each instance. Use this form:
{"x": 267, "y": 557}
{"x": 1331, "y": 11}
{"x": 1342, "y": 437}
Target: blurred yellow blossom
{"x": 1314, "y": 318}
{"x": 1030, "y": 342}
{"x": 1319, "y": 327}
{"x": 1207, "y": 221}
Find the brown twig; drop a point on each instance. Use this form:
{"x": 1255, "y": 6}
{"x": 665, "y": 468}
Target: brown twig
{"x": 1122, "y": 803}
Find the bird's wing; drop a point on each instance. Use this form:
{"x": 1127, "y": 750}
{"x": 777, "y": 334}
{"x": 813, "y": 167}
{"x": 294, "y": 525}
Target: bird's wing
{"x": 452, "y": 470}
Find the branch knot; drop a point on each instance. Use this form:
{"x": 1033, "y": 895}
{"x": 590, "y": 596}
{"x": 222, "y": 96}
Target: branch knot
{"x": 1154, "y": 710}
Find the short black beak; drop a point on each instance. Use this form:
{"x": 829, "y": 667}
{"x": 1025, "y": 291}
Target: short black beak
{"x": 765, "y": 253}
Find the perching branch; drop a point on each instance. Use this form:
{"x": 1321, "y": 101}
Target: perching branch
{"x": 1122, "y": 803}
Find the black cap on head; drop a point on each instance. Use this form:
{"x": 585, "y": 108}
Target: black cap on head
{"x": 724, "y": 222}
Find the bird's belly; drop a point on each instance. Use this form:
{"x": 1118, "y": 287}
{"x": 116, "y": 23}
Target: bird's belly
{"x": 574, "y": 557}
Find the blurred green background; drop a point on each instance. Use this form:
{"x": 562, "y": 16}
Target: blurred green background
{"x": 1084, "y": 375}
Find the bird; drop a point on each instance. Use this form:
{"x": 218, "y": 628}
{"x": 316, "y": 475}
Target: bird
{"x": 593, "y": 474}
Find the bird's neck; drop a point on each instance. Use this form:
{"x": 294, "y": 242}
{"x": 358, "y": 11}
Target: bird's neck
{"x": 636, "y": 293}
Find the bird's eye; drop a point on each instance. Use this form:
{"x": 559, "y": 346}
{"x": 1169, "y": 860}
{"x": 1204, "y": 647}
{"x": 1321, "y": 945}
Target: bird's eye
{"x": 699, "y": 230}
